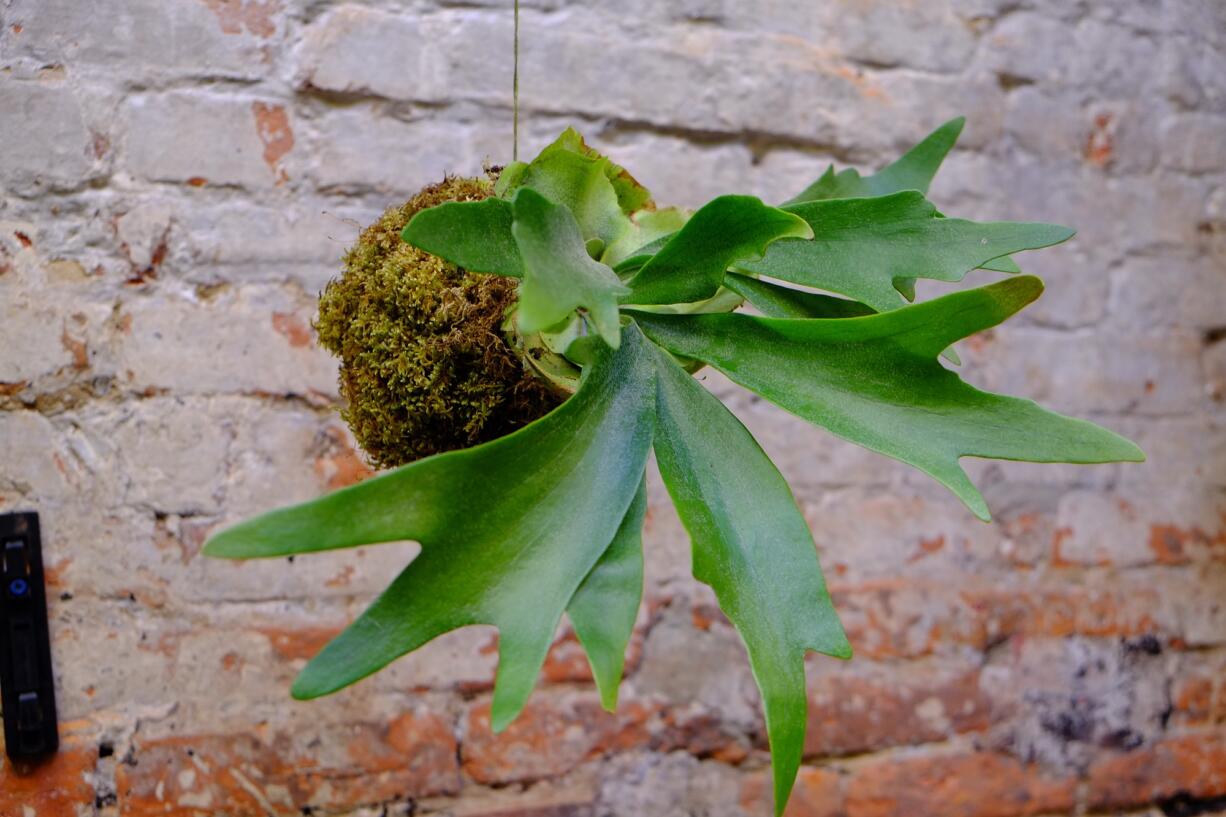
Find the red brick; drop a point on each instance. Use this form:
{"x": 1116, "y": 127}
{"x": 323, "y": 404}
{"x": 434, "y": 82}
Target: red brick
{"x": 1066, "y": 611}
{"x": 303, "y": 642}
{"x": 850, "y": 714}
{"x": 909, "y": 618}
{"x": 700, "y": 733}
{"x": 563, "y": 810}
{"x": 964, "y": 785}
{"x": 241, "y": 775}
{"x": 415, "y": 753}
{"x": 549, "y": 738}
{"x": 272, "y": 125}
{"x": 340, "y": 465}
{"x": 1173, "y": 545}
{"x": 1100, "y": 142}
{"x": 1192, "y": 700}
{"x": 817, "y": 793}
{"x": 57, "y": 787}
{"x": 294, "y": 328}
{"x": 257, "y": 16}
{"x": 1194, "y": 765}
{"x": 567, "y": 662}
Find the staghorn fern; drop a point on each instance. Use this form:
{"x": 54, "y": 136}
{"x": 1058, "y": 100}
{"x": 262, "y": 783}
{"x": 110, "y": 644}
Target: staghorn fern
{"x": 616, "y": 304}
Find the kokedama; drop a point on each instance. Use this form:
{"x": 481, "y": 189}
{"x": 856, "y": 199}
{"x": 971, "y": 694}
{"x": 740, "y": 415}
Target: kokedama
{"x": 529, "y": 342}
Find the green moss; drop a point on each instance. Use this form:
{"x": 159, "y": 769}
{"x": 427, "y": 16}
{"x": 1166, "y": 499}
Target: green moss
{"x": 425, "y": 367}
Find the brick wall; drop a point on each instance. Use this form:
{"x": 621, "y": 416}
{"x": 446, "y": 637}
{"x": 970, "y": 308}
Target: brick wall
{"x": 179, "y": 178}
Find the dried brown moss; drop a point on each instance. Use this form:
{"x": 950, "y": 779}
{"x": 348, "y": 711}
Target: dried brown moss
{"x": 425, "y": 367}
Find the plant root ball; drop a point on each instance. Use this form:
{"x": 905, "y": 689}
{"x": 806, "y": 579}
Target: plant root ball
{"x": 425, "y": 367}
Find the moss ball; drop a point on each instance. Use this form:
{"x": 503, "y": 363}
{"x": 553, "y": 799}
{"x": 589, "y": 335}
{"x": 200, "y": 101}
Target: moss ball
{"x": 425, "y": 366}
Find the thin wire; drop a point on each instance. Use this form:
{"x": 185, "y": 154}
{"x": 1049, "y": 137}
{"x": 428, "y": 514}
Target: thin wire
{"x": 515, "y": 93}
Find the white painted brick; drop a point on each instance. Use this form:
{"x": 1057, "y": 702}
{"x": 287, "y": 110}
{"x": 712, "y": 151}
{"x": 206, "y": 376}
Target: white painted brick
{"x": 1141, "y": 372}
{"x": 359, "y": 50}
{"x": 1117, "y": 63}
{"x": 924, "y": 36}
{"x": 251, "y": 339}
{"x": 1013, "y": 48}
{"x": 1194, "y": 142}
{"x": 142, "y": 39}
{"x": 47, "y": 143}
{"x": 1169, "y": 290}
{"x": 184, "y": 136}
{"x": 301, "y": 242}
{"x": 1077, "y": 285}
{"x": 1184, "y": 454}
{"x": 365, "y": 148}
{"x": 173, "y": 456}
{"x": 892, "y": 110}
{"x": 33, "y": 462}
{"x": 1049, "y": 126}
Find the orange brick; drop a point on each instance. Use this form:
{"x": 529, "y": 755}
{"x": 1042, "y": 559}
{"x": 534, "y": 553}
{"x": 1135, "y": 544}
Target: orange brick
{"x": 1065, "y": 611}
{"x": 56, "y": 787}
{"x": 1173, "y": 545}
{"x": 303, "y": 642}
{"x": 561, "y": 810}
{"x": 1194, "y": 765}
{"x": 566, "y": 661}
{"x": 850, "y": 714}
{"x": 549, "y": 738}
{"x": 244, "y": 776}
{"x": 980, "y": 784}
{"x": 1192, "y": 699}
{"x": 817, "y": 793}
{"x": 340, "y": 464}
{"x": 908, "y": 618}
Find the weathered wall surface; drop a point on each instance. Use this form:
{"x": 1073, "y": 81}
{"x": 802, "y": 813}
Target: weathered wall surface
{"x": 179, "y": 178}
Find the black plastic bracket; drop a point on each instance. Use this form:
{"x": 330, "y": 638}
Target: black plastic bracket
{"x": 27, "y": 687}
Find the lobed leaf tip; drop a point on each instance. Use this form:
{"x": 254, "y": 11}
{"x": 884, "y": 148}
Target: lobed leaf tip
{"x": 800, "y": 229}
{"x": 1055, "y": 233}
{"x": 1125, "y": 449}
{"x": 608, "y": 700}
{"x": 1020, "y": 290}
{"x": 978, "y": 506}
{"x": 500, "y": 718}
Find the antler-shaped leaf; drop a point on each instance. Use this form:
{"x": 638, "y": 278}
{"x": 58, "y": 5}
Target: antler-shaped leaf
{"x": 752, "y": 546}
{"x": 600, "y": 194}
{"x": 875, "y": 381}
{"x": 775, "y": 301}
{"x": 690, "y": 266}
{"x": 559, "y": 275}
{"x": 605, "y": 606}
{"x": 862, "y": 247}
{"x": 509, "y": 530}
{"x": 651, "y": 230}
{"x": 475, "y": 235}
{"x": 914, "y": 170}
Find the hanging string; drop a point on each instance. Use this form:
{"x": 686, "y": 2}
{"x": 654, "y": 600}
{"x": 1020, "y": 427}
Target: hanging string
{"x": 515, "y": 93}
